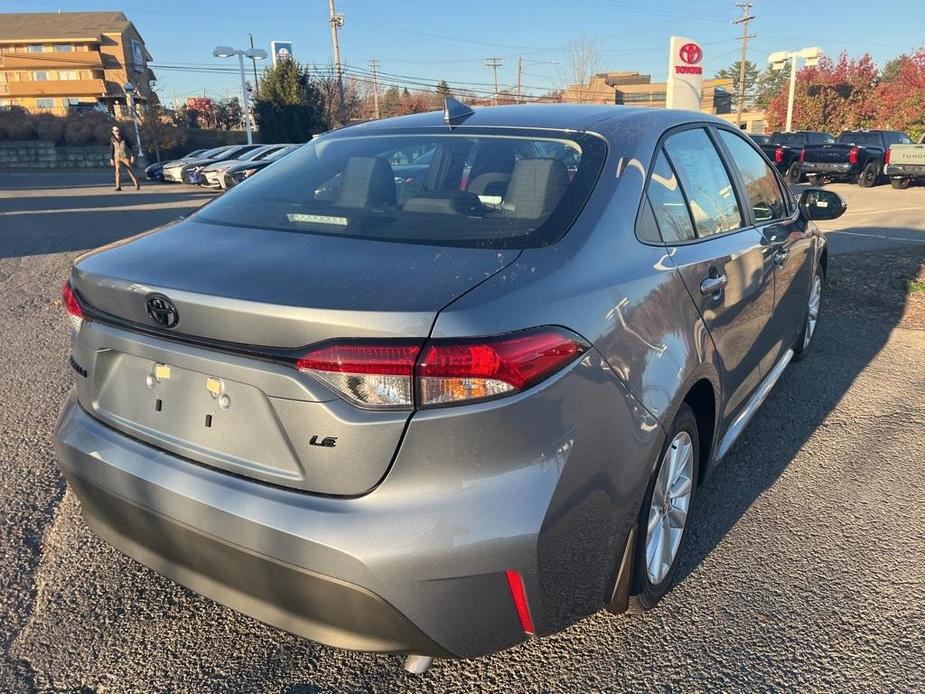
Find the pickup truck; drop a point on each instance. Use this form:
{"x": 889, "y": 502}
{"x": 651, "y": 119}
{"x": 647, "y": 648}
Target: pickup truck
{"x": 905, "y": 163}
{"x": 784, "y": 150}
{"x": 856, "y": 156}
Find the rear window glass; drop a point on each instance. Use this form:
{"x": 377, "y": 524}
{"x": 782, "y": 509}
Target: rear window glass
{"x": 469, "y": 188}
{"x": 789, "y": 139}
{"x": 861, "y": 139}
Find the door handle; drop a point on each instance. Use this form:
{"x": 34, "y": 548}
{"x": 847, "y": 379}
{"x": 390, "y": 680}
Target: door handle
{"x": 780, "y": 256}
{"x": 712, "y": 286}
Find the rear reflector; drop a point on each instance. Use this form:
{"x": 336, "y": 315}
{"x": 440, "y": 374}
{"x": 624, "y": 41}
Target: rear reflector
{"x": 853, "y": 156}
{"x": 72, "y": 306}
{"x": 369, "y": 375}
{"x": 516, "y": 583}
{"x": 452, "y": 372}
{"x": 886, "y": 157}
{"x": 802, "y": 155}
{"x": 398, "y": 374}
{"x": 779, "y": 154}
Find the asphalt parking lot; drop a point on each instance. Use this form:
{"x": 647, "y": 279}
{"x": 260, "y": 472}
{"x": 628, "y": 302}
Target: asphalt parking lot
{"x": 806, "y": 565}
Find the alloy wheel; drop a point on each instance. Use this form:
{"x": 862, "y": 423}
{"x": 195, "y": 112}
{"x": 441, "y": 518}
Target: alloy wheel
{"x": 669, "y": 507}
{"x": 812, "y": 313}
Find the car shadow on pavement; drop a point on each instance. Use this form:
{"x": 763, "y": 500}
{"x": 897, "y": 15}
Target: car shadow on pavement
{"x": 863, "y": 301}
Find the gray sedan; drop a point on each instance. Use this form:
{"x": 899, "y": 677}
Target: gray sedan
{"x": 446, "y": 413}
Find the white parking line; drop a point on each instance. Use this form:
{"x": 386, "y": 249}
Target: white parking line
{"x": 856, "y": 213}
{"x": 878, "y": 236}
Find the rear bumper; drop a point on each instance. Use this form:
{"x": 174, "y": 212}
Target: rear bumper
{"x": 905, "y": 170}
{"x": 415, "y": 566}
{"x": 833, "y": 169}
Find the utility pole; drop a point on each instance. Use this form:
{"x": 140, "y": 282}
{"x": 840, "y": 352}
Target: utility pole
{"x": 374, "y": 67}
{"x": 337, "y": 21}
{"x": 493, "y": 64}
{"x": 254, "y": 61}
{"x": 744, "y": 21}
{"x": 520, "y": 74}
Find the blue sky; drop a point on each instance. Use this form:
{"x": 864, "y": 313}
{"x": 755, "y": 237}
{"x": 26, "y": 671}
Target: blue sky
{"x": 429, "y": 41}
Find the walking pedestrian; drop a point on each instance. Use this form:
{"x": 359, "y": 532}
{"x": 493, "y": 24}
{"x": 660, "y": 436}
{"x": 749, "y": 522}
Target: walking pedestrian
{"x": 122, "y": 154}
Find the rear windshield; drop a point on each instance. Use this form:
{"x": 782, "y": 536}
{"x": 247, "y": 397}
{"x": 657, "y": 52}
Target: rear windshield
{"x": 789, "y": 139}
{"x": 468, "y": 188}
{"x": 861, "y": 139}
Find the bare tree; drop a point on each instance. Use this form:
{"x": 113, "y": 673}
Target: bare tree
{"x": 582, "y": 60}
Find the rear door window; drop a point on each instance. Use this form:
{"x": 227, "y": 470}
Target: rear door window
{"x": 761, "y": 187}
{"x": 709, "y": 190}
{"x": 668, "y": 204}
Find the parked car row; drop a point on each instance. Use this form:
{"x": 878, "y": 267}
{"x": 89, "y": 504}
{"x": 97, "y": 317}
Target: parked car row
{"x": 865, "y": 157}
{"x": 219, "y": 168}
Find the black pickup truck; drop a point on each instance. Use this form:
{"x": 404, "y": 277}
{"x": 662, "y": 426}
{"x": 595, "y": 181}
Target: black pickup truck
{"x": 856, "y": 156}
{"x": 784, "y": 150}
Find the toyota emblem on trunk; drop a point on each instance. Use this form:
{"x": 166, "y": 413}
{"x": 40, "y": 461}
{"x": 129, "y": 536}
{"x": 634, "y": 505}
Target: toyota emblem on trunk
{"x": 162, "y": 310}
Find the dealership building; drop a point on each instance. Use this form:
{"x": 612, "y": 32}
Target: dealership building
{"x": 56, "y": 61}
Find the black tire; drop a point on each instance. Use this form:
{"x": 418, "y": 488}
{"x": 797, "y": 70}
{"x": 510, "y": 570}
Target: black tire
{"x": 814, "y": 179}
{"x": 794, "y": 173}
{"x": 645, "y": 594}
{"x": 870, "y": 175}
{"x": 900, "y": 183}
{"x": 801, "y": 346}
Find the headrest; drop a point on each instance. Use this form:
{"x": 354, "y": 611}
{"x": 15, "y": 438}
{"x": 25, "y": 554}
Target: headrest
{"x": 535, "y": 189}
{"x": 368, "y": 182}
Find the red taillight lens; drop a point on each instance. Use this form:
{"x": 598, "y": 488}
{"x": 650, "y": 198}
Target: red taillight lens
{"x": 72, "y": 306}
{"x": 446, "y": 371}
{"x": 516, "y": 583}
{"x": 802, "y": 155}
{"x": 853, "y": 156}
{"x": 886, "y": 157}
{"x": 370, "y": 375}
{"x": 452, "y": 372}
{"x": 779, "y": 154}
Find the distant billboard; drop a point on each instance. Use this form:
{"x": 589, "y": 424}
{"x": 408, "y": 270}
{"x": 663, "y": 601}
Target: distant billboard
{"x": 685, "y": 74}
{"x": 280, "y": 50}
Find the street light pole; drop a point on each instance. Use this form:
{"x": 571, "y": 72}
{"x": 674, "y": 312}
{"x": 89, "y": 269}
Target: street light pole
{"x": 253, "y": 54}
{"x": 779, "y": 60}
{"x": 129, "y": 90}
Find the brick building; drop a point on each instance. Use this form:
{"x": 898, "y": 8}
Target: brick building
{"x": 55, "y": 61}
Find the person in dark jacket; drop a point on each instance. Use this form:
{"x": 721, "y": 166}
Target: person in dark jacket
{"x": 122, "y": 154}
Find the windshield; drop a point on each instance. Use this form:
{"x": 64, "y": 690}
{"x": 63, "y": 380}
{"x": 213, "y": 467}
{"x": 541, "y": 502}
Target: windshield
{"x": 452, "y": 188}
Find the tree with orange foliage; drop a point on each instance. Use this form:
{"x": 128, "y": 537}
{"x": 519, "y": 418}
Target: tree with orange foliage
{"x": 901, "y": 101}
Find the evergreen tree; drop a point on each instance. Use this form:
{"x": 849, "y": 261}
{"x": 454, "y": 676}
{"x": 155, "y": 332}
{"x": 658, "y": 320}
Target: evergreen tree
{"x": 291, "y": 107}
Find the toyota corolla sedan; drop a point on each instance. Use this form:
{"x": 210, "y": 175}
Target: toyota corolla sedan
{"x": 441, "y": 422}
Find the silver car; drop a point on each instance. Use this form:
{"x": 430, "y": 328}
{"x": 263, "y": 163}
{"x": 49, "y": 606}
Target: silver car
{"x": 441, "y": 412}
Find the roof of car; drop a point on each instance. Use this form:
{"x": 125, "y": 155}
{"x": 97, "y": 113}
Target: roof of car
{"x": 583, "y": 117}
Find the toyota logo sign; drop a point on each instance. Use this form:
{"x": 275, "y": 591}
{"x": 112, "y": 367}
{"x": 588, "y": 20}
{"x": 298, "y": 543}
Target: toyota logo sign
{"x": 162, "y": 311}
{"x": 691, "y": 53}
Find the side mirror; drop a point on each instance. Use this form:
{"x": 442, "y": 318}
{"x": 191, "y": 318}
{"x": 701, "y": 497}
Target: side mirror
{"x": 819, "y": 204}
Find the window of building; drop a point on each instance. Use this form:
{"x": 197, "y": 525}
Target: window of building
{"x": 64, "y": 48}
{"x": 71, "y": 100}
{"x": 68, "y": 74}
{"x": 40, "y": 76}
{"x": 36, "y": 48}
{"x": 44, "y": 103}
{"x": 703, "y": 176}
{"x": 761, "y": 187}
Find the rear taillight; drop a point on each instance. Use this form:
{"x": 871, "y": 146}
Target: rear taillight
{"x": 886, "y": 157}
{"x": 779, "y": 154}
{"x": 367, "y": 374}
{"x": 72, "y": 306}
{"x": 853, "y": 156}
{"x": 802, "y": 155}
{"x": 401, "y": 374}
{"x": 452, "y": 372}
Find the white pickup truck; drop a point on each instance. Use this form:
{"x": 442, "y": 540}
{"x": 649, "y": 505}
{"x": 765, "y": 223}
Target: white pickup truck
{"x": 905, "y": 163}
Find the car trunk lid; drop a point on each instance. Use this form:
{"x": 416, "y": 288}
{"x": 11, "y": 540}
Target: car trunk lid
{"x": 221, "y": 386}
{"x": 830, "y": 153}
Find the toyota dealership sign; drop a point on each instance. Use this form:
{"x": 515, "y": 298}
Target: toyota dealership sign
{"x": 685, "y": 73}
